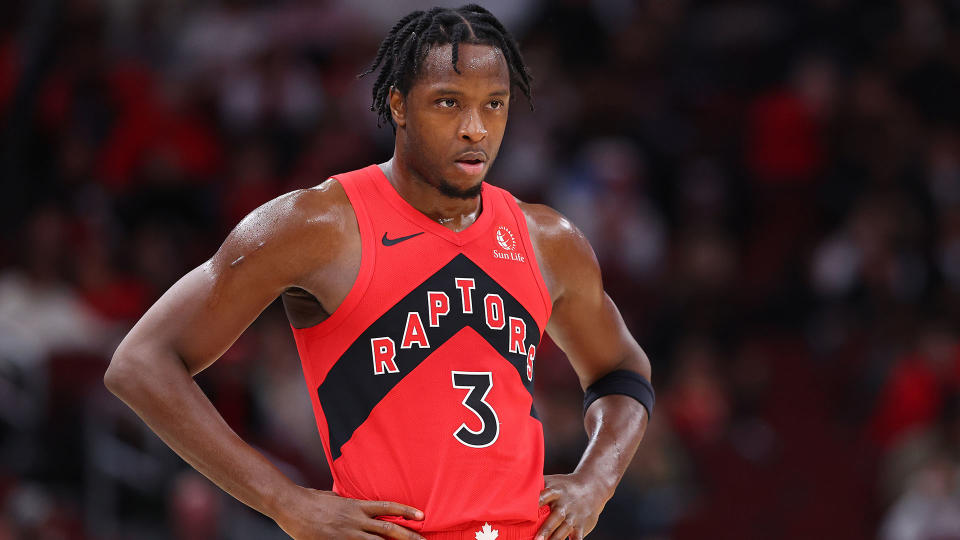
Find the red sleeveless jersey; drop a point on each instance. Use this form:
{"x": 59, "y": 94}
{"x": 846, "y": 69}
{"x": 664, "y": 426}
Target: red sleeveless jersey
{"x": 422, "y": 380}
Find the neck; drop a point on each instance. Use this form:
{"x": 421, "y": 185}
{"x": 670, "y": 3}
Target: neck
{"x": 453, "y": 213}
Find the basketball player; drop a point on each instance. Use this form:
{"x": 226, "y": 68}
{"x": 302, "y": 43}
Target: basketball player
{"x": 417, "y": 295}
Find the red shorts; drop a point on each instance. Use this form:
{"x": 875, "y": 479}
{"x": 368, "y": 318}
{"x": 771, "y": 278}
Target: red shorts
{"x": 503, "y": 532}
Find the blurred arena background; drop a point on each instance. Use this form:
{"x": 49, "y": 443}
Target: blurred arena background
{"x": 773, "y": 190}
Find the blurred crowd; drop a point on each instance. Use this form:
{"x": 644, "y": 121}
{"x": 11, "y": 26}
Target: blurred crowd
{"x": 772, "y": 188}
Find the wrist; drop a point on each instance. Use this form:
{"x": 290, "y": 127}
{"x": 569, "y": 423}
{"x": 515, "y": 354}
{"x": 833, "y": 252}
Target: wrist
{"x": 595, "y": 486}
{"x": 282, "y": 501}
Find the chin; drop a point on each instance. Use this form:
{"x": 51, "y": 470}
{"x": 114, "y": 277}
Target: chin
{"x": 460, "y": 191}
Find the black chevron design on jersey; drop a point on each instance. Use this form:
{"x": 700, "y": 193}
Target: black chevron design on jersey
{"x": 350, "y": 391}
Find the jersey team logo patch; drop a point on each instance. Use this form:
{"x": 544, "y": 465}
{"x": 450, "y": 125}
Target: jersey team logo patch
{"x": 506, "y": 239}
{"x": 508, "y": 242}
{"x": 487, "y": 533}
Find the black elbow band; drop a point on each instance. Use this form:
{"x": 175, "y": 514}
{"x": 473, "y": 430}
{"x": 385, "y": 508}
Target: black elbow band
{"x": 625, "y": 382}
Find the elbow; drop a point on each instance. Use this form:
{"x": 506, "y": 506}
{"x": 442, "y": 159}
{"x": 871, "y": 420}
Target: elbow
{"x": 137, "y": 369}
{"x": 639, "y": 362}
{"x": 117, "y": 376}
{"x": 123, "y": 375}
{"x": 644, "y": 367}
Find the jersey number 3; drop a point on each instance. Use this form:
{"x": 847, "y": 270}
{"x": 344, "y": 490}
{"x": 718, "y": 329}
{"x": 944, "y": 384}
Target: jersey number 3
{"x": 479, "y": 384}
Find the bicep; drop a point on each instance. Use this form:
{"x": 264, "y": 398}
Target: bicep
{"x": 585, "y": 323}
{"x": 200, "y": 316}
{"x": 588, "y": 327}
{"x": 207, "y": 309}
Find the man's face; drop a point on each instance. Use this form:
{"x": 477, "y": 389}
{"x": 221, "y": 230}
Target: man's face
{"x": 450, "y": 125}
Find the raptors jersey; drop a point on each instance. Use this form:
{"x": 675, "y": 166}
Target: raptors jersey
{"x": 422, "y": 380}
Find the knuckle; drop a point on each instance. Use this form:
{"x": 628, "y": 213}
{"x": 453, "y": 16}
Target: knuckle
{"x": 396, "y": 531}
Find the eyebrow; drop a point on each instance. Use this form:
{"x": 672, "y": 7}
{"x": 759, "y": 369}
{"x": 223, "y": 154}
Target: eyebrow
{"x": 452, "y": 92}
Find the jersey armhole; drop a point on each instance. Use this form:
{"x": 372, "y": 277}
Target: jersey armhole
{"x": 367, "y": 255}
{"x": 521, "y": 220}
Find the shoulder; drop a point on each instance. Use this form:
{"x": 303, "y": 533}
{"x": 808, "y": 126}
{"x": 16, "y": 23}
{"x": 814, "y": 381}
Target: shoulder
{"x": 298, "y": 213}
{"x": 563, "y": 251}
{"x": 294, "y": 231}
{"x": 548, "y": 225}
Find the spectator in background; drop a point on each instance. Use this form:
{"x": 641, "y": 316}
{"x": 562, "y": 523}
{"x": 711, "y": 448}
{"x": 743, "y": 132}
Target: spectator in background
{"x": 40, "y": 313}
{"x": 930, "y": 506}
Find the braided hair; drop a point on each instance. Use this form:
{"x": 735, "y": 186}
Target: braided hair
{"x": 402, "y": 52}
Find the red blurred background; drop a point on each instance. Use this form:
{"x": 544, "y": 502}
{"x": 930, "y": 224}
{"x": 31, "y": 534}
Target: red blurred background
{"x": 772, "y": 188}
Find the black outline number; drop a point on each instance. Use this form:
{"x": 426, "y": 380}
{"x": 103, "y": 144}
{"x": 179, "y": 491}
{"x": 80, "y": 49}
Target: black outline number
{"x": 479, "y": 384}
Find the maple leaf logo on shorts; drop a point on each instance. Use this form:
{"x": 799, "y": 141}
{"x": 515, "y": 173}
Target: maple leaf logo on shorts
{"x": 487, "y": 533}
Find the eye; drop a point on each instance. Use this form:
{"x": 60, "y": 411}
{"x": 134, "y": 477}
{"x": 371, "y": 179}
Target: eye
{"x": 447, "y": 103}
{"x": 496, "y": 104}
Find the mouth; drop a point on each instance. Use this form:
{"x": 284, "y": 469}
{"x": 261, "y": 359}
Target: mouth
{"x": 471, "y": 163}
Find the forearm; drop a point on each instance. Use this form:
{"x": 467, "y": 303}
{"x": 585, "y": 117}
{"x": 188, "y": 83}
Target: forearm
{"x": 165, "y": 396}
{"x": 615, "y": 426}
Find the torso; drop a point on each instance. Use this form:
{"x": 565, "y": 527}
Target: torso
{"x": 372, "y": 296}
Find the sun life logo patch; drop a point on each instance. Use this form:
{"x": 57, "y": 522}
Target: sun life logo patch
{"x": 506, "y": 239}
{"x": 508, "y": 242}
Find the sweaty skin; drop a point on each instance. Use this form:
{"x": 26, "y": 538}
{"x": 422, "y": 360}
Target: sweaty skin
{"x": 305, "y": 247}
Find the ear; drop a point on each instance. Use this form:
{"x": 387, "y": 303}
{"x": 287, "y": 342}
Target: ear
{"x": 398, "y": 107}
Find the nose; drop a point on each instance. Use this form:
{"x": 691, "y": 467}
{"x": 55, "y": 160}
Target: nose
{"x": 471, "y": 127}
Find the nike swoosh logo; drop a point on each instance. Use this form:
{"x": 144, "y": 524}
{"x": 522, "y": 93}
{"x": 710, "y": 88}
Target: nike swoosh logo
{"x": 391, "y": 241}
